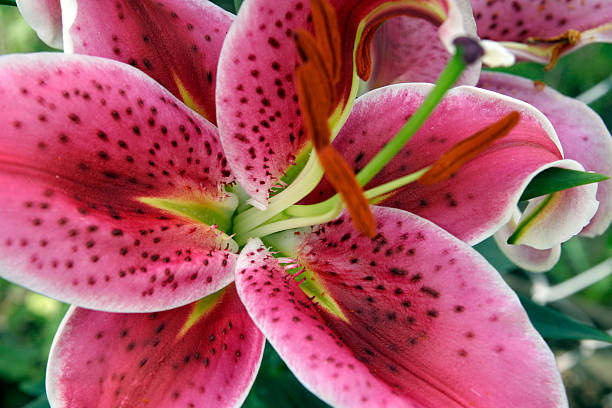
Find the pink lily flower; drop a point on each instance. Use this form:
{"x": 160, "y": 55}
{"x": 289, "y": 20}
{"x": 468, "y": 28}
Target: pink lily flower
{"x": 116, "y": 201}
{"x": 582, "y": 134}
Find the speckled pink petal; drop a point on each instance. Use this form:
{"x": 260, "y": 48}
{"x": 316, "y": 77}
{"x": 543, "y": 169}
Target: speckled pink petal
{"x": 526, "y": 257}
{"x": 258, "y": 111}
{"x": 81, "y": 140}
{"x": 406, "y": 49}
{"x": 481, "y": 196}
{"x": 176, "y": 42}
{"x": 177, "y": 358}
{"x": 582, "y": 133}
{"x": 45, "y": 17}
{"x": 516, "y": 21}
{"x": 427, "y": 321}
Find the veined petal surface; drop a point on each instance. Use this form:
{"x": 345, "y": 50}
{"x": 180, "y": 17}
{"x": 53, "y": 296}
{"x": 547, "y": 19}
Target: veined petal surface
{"x": 45, "y": 17}
{"x": 481, "y": 196}
{"x": 420, "y": 320}
{"x": 203, "y": 354}
{"x": 83, "y": 140}
{"x": 258, "y": 111}
{"x": 582, "y": 133}
{"x": 176, "y": 42}
{"x": 516, "y": 22}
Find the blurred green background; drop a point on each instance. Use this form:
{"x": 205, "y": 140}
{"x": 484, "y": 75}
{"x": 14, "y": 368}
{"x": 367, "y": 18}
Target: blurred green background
{"x": 28, "y": 321}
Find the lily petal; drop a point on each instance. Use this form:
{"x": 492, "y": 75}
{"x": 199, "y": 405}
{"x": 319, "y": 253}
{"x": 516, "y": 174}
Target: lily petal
{"x": 420, "y": 319}
{"x": 45, "y": 17}
{"x": 526, "y": 257}
{"x": 203, "y": 354}
{"x": 529, "y": 28}
{"x": 258, "y": 110}
{"x": 481, "y": 196}
{"x": 582, "y": 133}
{"x": 550, "y": 220}
{"x": 406, "y": 49}
{"x": 84, "y": 141}
{"x": 175, "y": 42}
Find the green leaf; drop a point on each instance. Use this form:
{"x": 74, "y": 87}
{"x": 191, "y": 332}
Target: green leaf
{"x": 8, "y": 3}
{"x": 556, "y": 326}
{"x": 40, "y": 402}
{"x": 558, "y": 179}
{"x": 237, "y": 4}
{"x": 226, "y": 4}
{"x": 32, "y": 387}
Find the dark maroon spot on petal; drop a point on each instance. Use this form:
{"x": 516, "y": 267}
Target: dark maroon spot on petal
{"x": 431, "y": 292}
{"x": 398, "y": 272}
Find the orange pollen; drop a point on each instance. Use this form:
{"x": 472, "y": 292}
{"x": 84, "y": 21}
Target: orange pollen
{"x": 342, "y": 178}
{"x": 539, "y": 85}
{"x": 468, "y": 149}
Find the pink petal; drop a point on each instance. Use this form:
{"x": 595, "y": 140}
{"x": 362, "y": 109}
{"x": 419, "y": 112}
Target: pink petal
{"x": 526, "y": 257}
{"x": 517, "y": 21}
{"x": 83, "y": 138}
{"x": 427, "y": 322}
{"x": 408, "y": 50}
{"x": 102, "y": 359}
{"x": 480, "y": 198}
{"x": 582, "y": 133}
{"x": 45, "y": 17}
{"x": 258, "y": 111}
{"x": 175, "y": 42}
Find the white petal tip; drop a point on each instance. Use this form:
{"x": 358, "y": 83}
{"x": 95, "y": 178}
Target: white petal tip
{"x": 496, "y": 55}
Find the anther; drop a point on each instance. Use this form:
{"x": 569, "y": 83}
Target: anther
{"x": 466, "y": 150}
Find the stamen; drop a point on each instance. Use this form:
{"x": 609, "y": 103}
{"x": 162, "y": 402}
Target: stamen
{"x": 328, "y": 37}
{"x": 315, "y": 102}
{"x": 466, "y": 150}
{"x": 341, "y": 177}
{"x": 560, "y": 43}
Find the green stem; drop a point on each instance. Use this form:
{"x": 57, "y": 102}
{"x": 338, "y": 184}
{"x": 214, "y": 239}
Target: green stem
{"x": 447, "y": 79}
{"x": 324, "y": 206}
{"x": 284, "y": 225}
{"x": 395, "y": 184}
{"x": 300, "y": 188}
